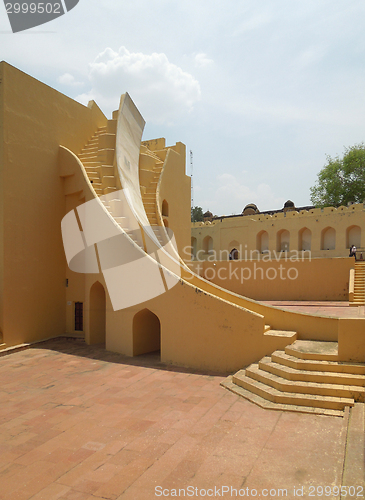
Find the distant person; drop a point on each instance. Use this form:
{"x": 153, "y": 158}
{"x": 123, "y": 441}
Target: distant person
{"x": 351, "y": 254}
{"x": 354, "y": 251}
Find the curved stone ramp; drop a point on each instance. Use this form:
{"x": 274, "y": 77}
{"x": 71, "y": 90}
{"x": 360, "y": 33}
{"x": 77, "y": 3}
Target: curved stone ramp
{"x": 163, "y": 271}
{"x": 261, "y": 339}
{"x": 278, "y": 322}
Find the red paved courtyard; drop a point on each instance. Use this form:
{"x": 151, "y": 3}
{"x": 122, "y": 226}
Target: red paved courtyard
{"x": 80, "y": 423}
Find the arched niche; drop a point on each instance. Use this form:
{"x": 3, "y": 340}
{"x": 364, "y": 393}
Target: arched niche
{"x": 208, "y": 244}
{"x": 328, "y": 239}
{"x": 305, "y": 239}
{"x": 283, "y": 241}
{"x": 353, "y": 236}
{"x": 262, "y": 241}
{"x": 146, "y": 332}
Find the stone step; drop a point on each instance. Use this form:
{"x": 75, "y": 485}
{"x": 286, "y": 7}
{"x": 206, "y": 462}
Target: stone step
{"x": 87, "y": 150}
{"x": 311, "y": 349}
{"x": 293, "y": 398}
{"x": 109, "y": 189}
{"x": 108, "y": 181}
{"x": 112, "y": 126}
{"x": 281, "y": 333}
{"x": 90, "y": 148}
{"x": 325, "y": 377}
{"x": 317, "y": 365}
{"x": 264, "y": 403}
{"x": 107, "y": 170}
{"x": 107, "y": 141}
{"x": 90, "y": 164}
{"x": 278, "y": 339}
{"x": 93, "y": 176}
{"x": 122, "y": 221}
{"x": 101, "y": 130}
{"x": 106, "y": 156}
{"x": 303, "y": 387}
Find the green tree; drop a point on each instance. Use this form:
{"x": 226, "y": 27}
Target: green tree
{"x": 197, "y": 214}
{"x": 341, "y": 180}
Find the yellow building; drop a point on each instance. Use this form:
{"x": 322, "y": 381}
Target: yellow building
{"x": 94, "y": 230}
{"x": 280, "y": 255}
{"x": 327, "y": 232}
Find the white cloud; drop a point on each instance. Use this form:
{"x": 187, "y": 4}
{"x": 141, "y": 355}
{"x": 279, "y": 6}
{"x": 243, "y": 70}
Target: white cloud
{"x": 202, "y": 61}
{"x": 68, "y": 79}
{"x": 161, "y": 90}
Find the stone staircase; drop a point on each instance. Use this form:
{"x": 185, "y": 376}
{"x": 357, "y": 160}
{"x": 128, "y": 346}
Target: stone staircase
{"x": 359, "y": 284}
{"x": 304, "y": 377}
{"x": 97, "y": 156}
{"x": 149, "y": 195}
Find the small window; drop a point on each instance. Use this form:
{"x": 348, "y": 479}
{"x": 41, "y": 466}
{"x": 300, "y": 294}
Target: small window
{"x": 165, "y": 209}
{"x": 79, "y": 316}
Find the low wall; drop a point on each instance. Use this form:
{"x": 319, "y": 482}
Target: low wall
{"x": 307, "y": 279}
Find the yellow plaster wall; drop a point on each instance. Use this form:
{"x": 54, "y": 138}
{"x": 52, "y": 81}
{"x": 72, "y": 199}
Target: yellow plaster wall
{"x": 295, "y": 280}
{"x": 351, "y": 340}
{"x": 75, "y": 291}
{"x": 197, "y": 330}
{"x": 202, "y": 325}
{"x": 1, "y": 203}
{"x": 174, "y": 187}
{"x": 308, "y": 327}
{"x": 36, "y": 120}
{"x": 244, "y": 231}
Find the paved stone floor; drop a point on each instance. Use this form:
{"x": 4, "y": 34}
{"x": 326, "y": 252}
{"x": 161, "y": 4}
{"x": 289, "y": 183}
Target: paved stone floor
{"x": 336, "y": 309}
{"x": 80, "y": 423}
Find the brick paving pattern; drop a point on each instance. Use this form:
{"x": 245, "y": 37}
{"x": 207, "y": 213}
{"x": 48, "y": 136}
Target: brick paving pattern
{"x": 80, "y": 423}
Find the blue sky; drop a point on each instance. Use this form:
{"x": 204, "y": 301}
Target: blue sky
{"x": 260, "y": 91}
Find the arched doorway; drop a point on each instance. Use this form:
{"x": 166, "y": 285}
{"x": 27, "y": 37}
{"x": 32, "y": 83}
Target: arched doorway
{"x": 97, "y": 314}
{"x": 146, "y": 332}
{"x": 233, "y": 254}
